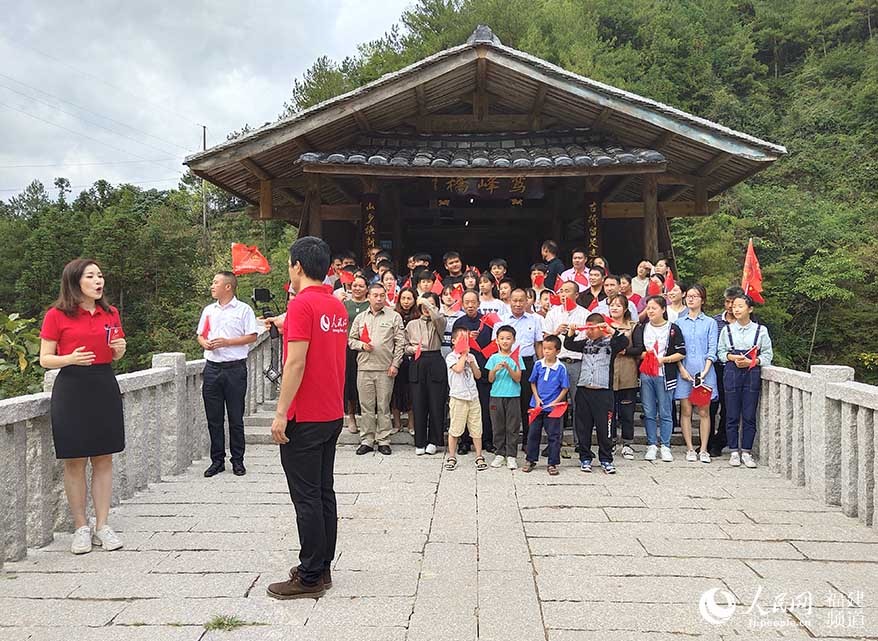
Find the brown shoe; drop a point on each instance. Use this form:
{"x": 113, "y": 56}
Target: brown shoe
{"x": 295, "y": 589}
{"x": 327, "y": 579}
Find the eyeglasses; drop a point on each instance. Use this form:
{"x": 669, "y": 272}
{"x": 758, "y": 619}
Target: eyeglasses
{"x": 692, "y": 296}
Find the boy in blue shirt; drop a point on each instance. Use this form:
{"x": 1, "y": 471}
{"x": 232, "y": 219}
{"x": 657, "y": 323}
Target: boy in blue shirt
{"x": 549, "y": 384}
{"x": 504, "y": 374}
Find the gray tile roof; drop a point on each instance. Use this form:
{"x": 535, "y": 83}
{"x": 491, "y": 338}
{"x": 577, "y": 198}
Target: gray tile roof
{"x": 571, "y": 148}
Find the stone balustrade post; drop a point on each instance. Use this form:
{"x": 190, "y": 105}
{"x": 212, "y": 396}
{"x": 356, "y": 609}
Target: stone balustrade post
{"x": 177, "y": 446}
{"x": 825, "y": 447}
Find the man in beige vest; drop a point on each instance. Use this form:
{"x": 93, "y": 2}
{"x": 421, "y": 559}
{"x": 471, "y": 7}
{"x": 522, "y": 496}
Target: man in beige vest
{"x": 379, "y": 337}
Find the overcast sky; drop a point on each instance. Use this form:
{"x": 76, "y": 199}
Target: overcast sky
{"x": 93, "y": 89}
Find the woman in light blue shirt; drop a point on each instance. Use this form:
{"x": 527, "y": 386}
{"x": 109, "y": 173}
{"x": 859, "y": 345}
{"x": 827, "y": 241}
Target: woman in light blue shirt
{"x": 700, "y": 334}
{"x": 745, "y": 347}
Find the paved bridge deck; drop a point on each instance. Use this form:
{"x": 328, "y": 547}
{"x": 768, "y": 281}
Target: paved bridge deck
{"x": 429, "y": 554}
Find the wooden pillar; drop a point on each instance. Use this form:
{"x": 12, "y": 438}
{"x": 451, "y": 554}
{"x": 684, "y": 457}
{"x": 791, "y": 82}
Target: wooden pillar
{"x": 312, "y": 221}
{"x": 650, "y": 217}
{"x": 557, "y": 209}
{"x": 393, "y": 203}
{"x": 594, "y": 245}
{"x": 369, "y": 208}
{"x": 265, "y": 200}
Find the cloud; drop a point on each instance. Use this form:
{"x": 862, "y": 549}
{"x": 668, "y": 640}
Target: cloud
{"x": 137, "y": 79}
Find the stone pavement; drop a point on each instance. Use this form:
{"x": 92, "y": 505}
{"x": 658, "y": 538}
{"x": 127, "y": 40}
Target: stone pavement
{"x": 456, "y": 556}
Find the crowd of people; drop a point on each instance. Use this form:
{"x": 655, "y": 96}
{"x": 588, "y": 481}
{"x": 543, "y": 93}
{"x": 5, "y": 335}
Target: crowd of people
{"x": 498, "y": 363}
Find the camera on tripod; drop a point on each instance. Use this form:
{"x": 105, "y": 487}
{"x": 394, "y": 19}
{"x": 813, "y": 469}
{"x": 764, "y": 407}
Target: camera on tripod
{"x": 262, "y": 296}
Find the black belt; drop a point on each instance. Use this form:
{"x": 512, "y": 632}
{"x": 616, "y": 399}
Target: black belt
{"x": 567, "y": 359}
{"x": 228, "y": 364}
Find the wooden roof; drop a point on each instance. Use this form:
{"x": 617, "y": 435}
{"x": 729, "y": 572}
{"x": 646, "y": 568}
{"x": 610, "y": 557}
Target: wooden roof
{"x": 485, "y": 86}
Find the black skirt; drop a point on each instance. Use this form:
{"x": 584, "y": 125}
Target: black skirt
{"x": 87, "y": 412}
{"x": 350, "y": 379}
{"x": 402, "y": 389}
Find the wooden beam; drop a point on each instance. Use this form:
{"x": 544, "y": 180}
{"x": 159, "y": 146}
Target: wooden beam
{"x": 312, "y": 207}
{"x": 253, "y": 167}
{"x": 480, "y": 102}
{"x": 362, "y": 121}
{"x": 650, "y": 219}
{"x": 476, "y": 172}
{"x": 705, "y": 170}
{"x": 292, "y": 195}
{"x": 344, "y": 191}
{"x": 235, "y": 192}
{"x": 349, "y": 213}
{"x": 679, "y": 179}
{"x": 537, "y": 108}
{"x": 593, "y": 183}
{"x": 701, "y": 199}
{"x": 619, "y": 185}
{"x": 304, "y": 144}
{"x": 265, "y": 200}
{"x": 603, "y": 118}
{"x": 663, "y": 140}
{"x": 422, "y": 100}
{"x": 669, "y": 209}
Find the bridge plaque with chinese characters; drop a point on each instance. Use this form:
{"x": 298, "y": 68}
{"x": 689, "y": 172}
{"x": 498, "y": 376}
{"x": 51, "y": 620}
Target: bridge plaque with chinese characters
{"x": 518, "y": 188}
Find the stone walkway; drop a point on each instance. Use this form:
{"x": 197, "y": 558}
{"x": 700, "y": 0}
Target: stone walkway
{"x": 457, "y": 556}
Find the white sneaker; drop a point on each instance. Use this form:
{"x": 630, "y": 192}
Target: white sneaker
{"x": 499, "y": 461}
{"x": 627, "y": 452}
{"x": 747, "y": 460}
{"x": 106, "y": 538}
{"x": 735, "y": 459}
{"x": 81, "y": 543}
{"x": 667, "y": 457}
{"x": 704, "y": 457}
{"x": 420, "y": 451}
{"x": 651, "y": 451}
{"x": 431, "y": 449}
{"x": 512, "y": 462}
{"x": 691, "y": 456}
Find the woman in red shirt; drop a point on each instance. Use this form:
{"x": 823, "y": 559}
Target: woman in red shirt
{"x": 81, "y": 336}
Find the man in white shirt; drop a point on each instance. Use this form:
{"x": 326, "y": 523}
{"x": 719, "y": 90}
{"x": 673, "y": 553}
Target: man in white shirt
{"x": 611, "y": 288}
{"x": 225, "y": 331}
{"x": 579, "y": 269}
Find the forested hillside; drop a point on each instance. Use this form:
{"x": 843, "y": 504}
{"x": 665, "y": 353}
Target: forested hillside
{"x": 800, "y": 73}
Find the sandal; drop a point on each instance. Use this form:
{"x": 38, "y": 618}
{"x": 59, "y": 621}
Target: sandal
{"x": 552, "y": 470}
{"x": 529, "y": 466}
{"x": 451, "y": 463}
{"x": 481, "y": 464}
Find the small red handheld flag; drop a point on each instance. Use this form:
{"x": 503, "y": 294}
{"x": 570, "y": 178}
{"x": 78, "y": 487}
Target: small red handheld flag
{"x": 418, "y": 351}
{"x": 346, "y": 277}
{"x": 558, "y": 411}
{"x": 751, "y": 282}
{"x": 490, "y": 349}
{"x": 533, "y": 413}
{"x": 247, "y": 259}
{"x": 205, "y": 332}
{"x": 437, "y": 287}
{"x": 438, "y": 277}
{"x": 650, "y": 365}
{"x": 594, "y": 303}
{"x": 461, "y": 344}
{"x": 558, "y": 283}
{"x": 364, "y": 335}
{"x": 490, "y": 319}
{"x": 474, "y": 345}
{"x": 581, "y": 279}
{"x": 554, "y": 299}
{"x": 753, "y": 355}
{"x": 669, "y": 281}
{"x": 653, "y": 288}
{"x": 608, "y": 320}
{"x": 539, "y": 280}
{"x": 570, "y": 304}
{"x": 391, "y": 296}
{"x": 516, "y": 356}
{"x": 407, "y": 283}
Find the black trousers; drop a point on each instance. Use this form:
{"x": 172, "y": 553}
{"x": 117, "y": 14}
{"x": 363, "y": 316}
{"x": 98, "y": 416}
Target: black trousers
{"x": 429, "y": 380}
{"x": 526, "y": 395}
{"x": 308, "y": 461}
{"x": 718, "y": 439}
{"x": 624, "y": 413}
{"x": 594, "y": 411}
{"x": 223, "y": 393}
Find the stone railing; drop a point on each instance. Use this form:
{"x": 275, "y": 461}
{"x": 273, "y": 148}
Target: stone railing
{"x": 165, "y": 430}
{"x": 818, "y": 430}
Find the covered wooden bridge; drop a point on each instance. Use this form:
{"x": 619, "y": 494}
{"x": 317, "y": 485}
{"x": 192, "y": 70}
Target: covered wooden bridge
{"x": 488, "y": 150}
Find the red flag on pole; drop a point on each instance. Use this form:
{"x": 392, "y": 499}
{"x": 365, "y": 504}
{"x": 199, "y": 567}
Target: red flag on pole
{"x": 474, "y": 345}
{"x": 418, "y": 351}
{"x": 461, "y": 344}
{"x": 554, "y": 299}
{"x": 346, "y": 277}
{"x": 558, "y": 411}
{"x": 205, "y": 332}
{"x": 437, "y": 287}
{"x": 669, "y": 281}
{"x": 558, "y": 283}
{"x": 581, "y": 279}
{"x": 539, "y": 280}
{"x": 751, "y": 282}
{"x": 364, "y": 335}
{"x": 650, "y": 365}
{"x": 653, "y": 288}
{"x": 248, "y": 259}
{"x": 532, "y": 414}
{"x": 594, "y": 303}
{"x": 490, "y": 349}
{"x": 753, "y": 355}
{"x": 516, "y": 356}
{"x": 570, "y": 304}
{"x": 490, "y": 319}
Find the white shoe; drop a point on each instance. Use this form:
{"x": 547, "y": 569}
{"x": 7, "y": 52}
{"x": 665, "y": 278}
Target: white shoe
{"x": 431, "y": 449}
{"x": 704, "y": 457}
{"x": 747, "y": 460}
{"x": 691, "y": 456}
{"x": 667, "y": 457}
{"x": 627, "y": 452}
{"x": 420, "y": 451}
{"x": 499, "y": 461}
{"x": 106, "y": 538}
{"x": 81, "y": 543}
{"x": 651, "y": 452}
{"x": 512, "y": 462}
{"x": 735, "y": 459}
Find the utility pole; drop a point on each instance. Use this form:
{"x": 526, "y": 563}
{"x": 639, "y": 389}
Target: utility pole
{"x": 204, "y": 190}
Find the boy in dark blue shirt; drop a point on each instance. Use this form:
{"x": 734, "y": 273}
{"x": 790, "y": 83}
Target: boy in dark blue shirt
{"x": 550, "y": 384}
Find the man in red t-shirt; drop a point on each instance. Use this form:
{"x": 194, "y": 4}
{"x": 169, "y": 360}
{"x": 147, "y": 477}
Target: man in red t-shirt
{"x": 309, "y": 415}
